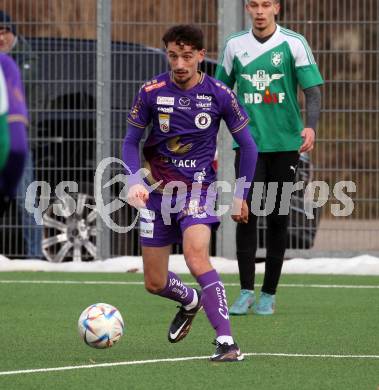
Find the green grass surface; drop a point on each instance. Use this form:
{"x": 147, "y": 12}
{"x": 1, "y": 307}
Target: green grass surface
{"x": 38, "y": 324}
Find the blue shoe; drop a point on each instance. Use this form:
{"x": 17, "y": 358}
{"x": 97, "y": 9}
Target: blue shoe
{"x": 243, "y": 303}
{"x": 266, "y": 305}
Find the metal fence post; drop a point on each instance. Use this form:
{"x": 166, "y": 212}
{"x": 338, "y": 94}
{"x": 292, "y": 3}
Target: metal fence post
{"x": 230, "y": 20}
{"x": 103, "y": 112}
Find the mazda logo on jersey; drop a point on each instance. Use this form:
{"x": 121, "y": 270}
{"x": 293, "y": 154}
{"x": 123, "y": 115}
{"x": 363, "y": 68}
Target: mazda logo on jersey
{"x": 203, "y": 120}
{"x": 184, "y": 101}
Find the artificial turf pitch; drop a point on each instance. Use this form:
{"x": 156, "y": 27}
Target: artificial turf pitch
{"x": 38, "y": 326}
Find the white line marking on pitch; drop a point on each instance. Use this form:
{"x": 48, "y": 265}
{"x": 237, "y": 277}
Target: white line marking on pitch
{"x": 125, "y": 283}
{"x": 152, "y": 361}
{"x": 328, "y": 285}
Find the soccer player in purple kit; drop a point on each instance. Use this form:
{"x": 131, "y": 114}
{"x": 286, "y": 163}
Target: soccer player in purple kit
{"x": 17, "y": 119}
{"x": 185, "y": 107}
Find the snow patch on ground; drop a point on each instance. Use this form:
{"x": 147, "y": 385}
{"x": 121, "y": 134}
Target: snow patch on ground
{"x": 360, "y": 265}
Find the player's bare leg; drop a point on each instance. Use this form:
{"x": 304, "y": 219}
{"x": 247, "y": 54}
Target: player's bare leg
{"x": 155, "y": 267}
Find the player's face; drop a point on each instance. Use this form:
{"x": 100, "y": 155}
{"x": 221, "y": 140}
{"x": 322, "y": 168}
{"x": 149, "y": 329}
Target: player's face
{"x": 6, "y": 40}
{"x": 184, "y": 62}
{"x": 262, "y": 13}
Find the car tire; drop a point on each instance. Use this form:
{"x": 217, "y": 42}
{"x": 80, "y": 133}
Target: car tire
{"x": 71, "y": 236}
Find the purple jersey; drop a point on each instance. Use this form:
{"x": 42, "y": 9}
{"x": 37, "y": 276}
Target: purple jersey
{"x": 17, "y": 111}
{"x": 17, "y": 120}
{"x": 181, "y": 144}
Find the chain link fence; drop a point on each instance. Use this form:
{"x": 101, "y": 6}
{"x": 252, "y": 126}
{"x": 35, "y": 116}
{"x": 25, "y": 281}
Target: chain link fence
{"x": 344, "y": 36}
{"x": 89, "y": 58}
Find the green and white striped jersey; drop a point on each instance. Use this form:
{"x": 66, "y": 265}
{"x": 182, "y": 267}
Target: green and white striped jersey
{"x": 267, "y": 76}
{"x": 4, "y": 131}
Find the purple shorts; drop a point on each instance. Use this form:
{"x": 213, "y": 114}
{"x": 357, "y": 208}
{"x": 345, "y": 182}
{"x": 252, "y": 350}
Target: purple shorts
{"x": 165, "y": 218}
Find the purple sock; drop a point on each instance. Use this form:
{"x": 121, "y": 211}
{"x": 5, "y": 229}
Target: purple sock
{"x": 214, "y": 302}
{"x": 177, "y": 291}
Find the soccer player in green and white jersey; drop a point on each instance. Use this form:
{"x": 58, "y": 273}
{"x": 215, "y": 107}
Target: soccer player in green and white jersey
{"x": 268, "y": 63}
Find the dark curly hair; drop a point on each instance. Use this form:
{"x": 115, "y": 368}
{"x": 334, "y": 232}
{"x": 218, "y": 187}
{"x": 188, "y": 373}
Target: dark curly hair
{"x": 185, "y": 34}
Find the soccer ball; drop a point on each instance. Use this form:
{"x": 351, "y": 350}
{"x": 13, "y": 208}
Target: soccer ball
{"x": 101, "y": 325}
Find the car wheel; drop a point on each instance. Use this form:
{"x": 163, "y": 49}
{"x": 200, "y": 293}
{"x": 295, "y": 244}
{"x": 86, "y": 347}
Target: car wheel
{"x": 70, "y": 236}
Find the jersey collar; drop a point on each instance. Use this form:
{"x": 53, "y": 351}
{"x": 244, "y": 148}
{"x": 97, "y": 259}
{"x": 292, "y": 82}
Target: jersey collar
{"x": 201, "y": 80}
{"x": 273, "y": 37}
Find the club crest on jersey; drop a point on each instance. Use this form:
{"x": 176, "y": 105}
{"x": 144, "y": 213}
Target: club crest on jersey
{"x": 164, "y": 122}
{"x": 276, "y": 58}
{"x": 203, "y": 120}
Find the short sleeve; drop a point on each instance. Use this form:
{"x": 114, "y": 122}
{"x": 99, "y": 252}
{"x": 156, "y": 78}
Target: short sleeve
{"x": 309, "y": 76}
{"x": 307, "y": 71}
{"x": 140, "y": 113}
{"x": 224, "y": 70}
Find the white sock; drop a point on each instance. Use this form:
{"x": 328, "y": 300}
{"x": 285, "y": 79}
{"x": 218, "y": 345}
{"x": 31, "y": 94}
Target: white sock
{"x": 225, "y": 339}
{"x": 194, "y": 302}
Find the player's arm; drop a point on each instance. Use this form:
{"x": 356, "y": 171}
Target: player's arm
{"x": 248, "y": 162}
{"x": 312, "y": 111}
{"x": 137, "y": 194}
{"x": 138, "y": 118}
{"x": 17, "y": 122}
{"x": 309, "y": 79}
{"x": 237, "y": 122}
{"x": 224, "y": 70}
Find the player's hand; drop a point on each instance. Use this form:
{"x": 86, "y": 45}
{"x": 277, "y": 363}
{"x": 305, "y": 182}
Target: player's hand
{"x": 137, "y": 196}
{"x": 240, "y": 211}
{"x": 308, "y": 135}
